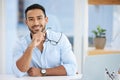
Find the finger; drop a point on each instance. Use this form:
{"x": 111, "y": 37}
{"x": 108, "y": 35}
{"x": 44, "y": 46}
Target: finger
{"x": 44, "y": 34}
{"x": 29, "y": 70}
{"x": 44, "y": 31}
{"x": 30, "y": 74}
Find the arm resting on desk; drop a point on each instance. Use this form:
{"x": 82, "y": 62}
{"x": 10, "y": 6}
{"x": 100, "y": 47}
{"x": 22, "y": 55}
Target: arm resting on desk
{"x": 57, "y": 71}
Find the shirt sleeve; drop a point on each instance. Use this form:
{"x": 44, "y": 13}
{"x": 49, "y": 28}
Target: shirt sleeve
{"x": 67, "y": 57}
{"x": 17, "y": 53}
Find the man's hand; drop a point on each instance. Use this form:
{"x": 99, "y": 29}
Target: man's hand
{"x": 34, "y": 72}
{"x": 38, "y": 38}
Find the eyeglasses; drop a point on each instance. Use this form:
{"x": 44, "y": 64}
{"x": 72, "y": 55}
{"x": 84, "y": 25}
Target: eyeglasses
{"x": 53, "y": 42}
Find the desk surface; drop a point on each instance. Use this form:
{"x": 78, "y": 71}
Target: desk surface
{"x": 12, "y": 77}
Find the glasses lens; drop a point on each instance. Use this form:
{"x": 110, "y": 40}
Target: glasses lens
{"x": 47, "y": 40}
{"x": 53, "y": 42}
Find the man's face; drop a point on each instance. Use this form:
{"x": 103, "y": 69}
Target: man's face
{"x": 36, "y": 20}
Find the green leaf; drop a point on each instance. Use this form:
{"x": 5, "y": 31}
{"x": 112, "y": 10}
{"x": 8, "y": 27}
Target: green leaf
{"x": 100, "y": 32}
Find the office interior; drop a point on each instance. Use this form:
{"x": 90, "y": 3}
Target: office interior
{"x": 74, "y": 18}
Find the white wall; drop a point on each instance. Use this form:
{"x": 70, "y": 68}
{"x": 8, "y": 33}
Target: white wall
{"x": 2, "y": 37}
{"x": 8, "y": 23}
{"x": 11, "y": 9}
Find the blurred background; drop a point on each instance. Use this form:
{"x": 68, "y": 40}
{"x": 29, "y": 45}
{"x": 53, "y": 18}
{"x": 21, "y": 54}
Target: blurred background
{"x": 74, "y": 18}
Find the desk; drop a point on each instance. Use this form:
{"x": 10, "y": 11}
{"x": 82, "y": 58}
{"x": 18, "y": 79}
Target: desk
{"x": 94, "y": 66}
{"x": 12, "y": 77}
{"x": 119, "y": 76}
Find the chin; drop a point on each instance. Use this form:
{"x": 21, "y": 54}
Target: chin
{"x": 33, "y": 31}
{"x": 36, "y": 31}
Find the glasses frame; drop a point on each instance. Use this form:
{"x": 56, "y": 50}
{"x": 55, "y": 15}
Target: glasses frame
{"x": 53, "y": 42}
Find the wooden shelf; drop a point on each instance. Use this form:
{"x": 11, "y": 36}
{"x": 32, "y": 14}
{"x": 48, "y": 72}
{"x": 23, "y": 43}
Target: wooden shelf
{"x": 104, "y": 2}
{"x": 102, "y": 51}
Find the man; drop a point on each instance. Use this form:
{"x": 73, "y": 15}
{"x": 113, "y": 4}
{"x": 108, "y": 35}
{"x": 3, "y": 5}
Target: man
{"x": 42, "y": 52}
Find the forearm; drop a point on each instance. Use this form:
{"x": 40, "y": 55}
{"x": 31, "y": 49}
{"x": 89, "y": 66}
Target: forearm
{"x": 23, "y": 63}
{"x": 57, "y": 71}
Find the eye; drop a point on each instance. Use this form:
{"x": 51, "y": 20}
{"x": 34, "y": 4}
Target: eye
{"x": 39, "y": 18}
{"x": 31, "y": 19}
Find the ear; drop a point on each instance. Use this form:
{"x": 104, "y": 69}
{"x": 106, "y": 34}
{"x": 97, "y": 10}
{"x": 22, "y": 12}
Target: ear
{"x": 25, "y": 21}
{"x": 46, "y": 20}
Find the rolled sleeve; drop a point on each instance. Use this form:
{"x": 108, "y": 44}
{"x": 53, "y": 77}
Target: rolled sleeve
{"x": 18, "y": 51}
{"x": 67, "y": 57}
{"x": 17, "y": 72}
{"x": 70, "y": 69}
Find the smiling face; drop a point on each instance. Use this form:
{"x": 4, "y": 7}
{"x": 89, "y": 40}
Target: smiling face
{"x": 36, "y": 20}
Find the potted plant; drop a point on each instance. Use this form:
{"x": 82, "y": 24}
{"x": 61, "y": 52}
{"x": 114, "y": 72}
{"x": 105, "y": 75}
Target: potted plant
{"x": 100, "y": 37}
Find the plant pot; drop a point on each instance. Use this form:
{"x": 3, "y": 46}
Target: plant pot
{"x": 99, "y": 42}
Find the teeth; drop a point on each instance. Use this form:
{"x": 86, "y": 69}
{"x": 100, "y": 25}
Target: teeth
{"x": 36, "y": 27}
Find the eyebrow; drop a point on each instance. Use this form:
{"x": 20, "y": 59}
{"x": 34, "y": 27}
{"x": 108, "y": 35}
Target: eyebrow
{"x": 30, "y": 17}
{"x": 37, "y": 16}
{"x": 40, "y": 16}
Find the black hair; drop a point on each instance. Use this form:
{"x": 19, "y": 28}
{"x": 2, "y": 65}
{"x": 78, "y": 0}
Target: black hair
{"x": 35, "y": 6}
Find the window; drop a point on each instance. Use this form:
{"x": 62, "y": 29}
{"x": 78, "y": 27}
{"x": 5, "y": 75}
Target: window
{"x": 106, "y": 14}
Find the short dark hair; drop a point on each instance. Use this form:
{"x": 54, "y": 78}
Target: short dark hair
{"x": 35, "y": 6}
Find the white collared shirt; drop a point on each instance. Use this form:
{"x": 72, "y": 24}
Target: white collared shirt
{"x": 51, "y": 56}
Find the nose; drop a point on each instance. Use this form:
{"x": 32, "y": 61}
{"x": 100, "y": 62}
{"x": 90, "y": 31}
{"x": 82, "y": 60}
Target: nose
{"x": 36, "y": 22}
